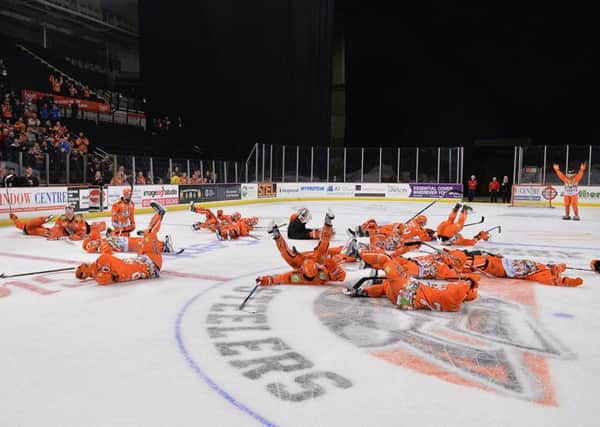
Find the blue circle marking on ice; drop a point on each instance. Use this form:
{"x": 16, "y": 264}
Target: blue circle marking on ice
{"x": 564, "y": 315}
{"x": 200, "y": 372}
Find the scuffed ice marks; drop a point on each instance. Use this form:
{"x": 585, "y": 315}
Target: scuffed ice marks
{"x": 492, "y": 344}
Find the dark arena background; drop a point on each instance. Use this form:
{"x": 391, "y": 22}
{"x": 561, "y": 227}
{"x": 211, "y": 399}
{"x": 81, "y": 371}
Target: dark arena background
{"x": 298, "y": 213}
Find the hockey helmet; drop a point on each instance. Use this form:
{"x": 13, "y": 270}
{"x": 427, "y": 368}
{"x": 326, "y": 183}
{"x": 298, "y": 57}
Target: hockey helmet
{"x": 127, "y": 194}
{"x": 304, "y": 215}
{"x": 91, "y": 245}
{"x": 84, "y": 270}
{"x": 236, "y": 216}
{"x": 309, "y": 269}
{"x": 69, "y": 211}
{"x": 219, "y": 212}
{"x": 421, "y": 220}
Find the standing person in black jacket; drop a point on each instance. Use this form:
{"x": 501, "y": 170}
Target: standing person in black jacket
{"x": 505, "y": 190}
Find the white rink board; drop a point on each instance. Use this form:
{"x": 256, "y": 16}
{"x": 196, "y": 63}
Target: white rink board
{"x": 175, "y": 351}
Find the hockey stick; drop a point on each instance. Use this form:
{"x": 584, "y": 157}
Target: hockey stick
{"x": 360, "y": 282}
{"x": 6, "y": 178}
{"x": 475, "y": 223}
{"x": 3, "y": 276}
{"x": 264, "y": 227}
{"x": 583, "y": 269}
{"x": 241, "y": 307}
{"x": 493, "y": 228}
{"x": 431, "y": 204}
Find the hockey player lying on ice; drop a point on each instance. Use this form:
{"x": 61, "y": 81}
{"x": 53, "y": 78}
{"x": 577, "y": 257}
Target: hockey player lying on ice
{"x": 433, "y": 266}
{"x": 95, "y": 243}
{"x": 412, "y": 230}
{"x": 69, "y": 225}
{"x": 235, "y": 227}
{"x": 448, "y": 230}
{"x": 211, "y": 222}
{"x": 316, "y": 267}
{"x": 108, "y": 268}
{"x": 297, "y": 226}
{"x": 511, "y": 268}
{"x": 409, "y": 294}
{"x": 226, "y": 226}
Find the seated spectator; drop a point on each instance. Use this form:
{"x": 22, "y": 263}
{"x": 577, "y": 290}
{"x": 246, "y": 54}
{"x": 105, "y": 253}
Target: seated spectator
{"x": 116, "y": 179}
{"x": 86, "y": 92}
{"x": 72, "y": 90}
{"x": 65, "y": 145}
{"x": 139, "y": 178}
{"x": 39, "y": 157}
{"x": 44, "y": 113}
{"x": 29, "y": 179}
{"x": 33, "y": 121}
{"x": 183, "y": 179}
{"x": 54, "y": 113}
{"x": 196, "y": 179}
{"x": 10, "y": 146}
{"x": 20, "y": 126}
{"x": 175, "y": 179}
{"x": 3, "y": 136}
{"x": 6, "y": 111}
{"x": 82, "y": 143}
{"x": 98, "y": 178}
{"x": 4, "y": 174}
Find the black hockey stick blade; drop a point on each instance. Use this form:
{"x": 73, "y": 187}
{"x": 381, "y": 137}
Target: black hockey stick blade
{"x": 241, "y": 307}
{"x": 4, "y": 276}
{"x": 582, "y": 269}
{"x": 475, "y": 223}
{"x": 264, "y": 227}
{"x": 499, "y": 228}
{"x": 360, "y": 281}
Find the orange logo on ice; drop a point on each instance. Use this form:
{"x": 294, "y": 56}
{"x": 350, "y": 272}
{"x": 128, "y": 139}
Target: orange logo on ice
{"x": 494, "y": 344}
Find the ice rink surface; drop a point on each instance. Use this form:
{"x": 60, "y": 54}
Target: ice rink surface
{"x": 176, "y": 351}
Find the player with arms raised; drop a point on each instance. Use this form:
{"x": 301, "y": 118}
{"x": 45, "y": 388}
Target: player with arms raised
{"x": 570, "y": 181}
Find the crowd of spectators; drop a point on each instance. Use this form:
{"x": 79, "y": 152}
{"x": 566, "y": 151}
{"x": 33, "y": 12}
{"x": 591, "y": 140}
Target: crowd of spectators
{"x": 103, "y": 173}
{"x": 178, "y": 177}
{"x": 35, "y": 130}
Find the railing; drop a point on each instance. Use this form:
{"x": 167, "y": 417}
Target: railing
{"x": 284, "y": 163}
{"x": 265, "y": 163}
{"x": 533, "y": 164}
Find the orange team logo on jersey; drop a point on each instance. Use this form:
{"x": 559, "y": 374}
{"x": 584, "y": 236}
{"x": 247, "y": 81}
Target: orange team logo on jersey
{"x": 496, "y": 344}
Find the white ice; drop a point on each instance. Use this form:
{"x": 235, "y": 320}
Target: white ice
{"x": 176, "y": 351}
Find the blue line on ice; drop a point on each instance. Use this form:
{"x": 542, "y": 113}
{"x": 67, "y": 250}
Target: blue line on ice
{"x": 200, "y": 372}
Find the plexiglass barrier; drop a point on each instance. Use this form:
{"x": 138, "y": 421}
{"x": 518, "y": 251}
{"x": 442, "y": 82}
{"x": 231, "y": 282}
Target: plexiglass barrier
{"x": 534, "y": 164}
{"x": 278, "y": 163}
